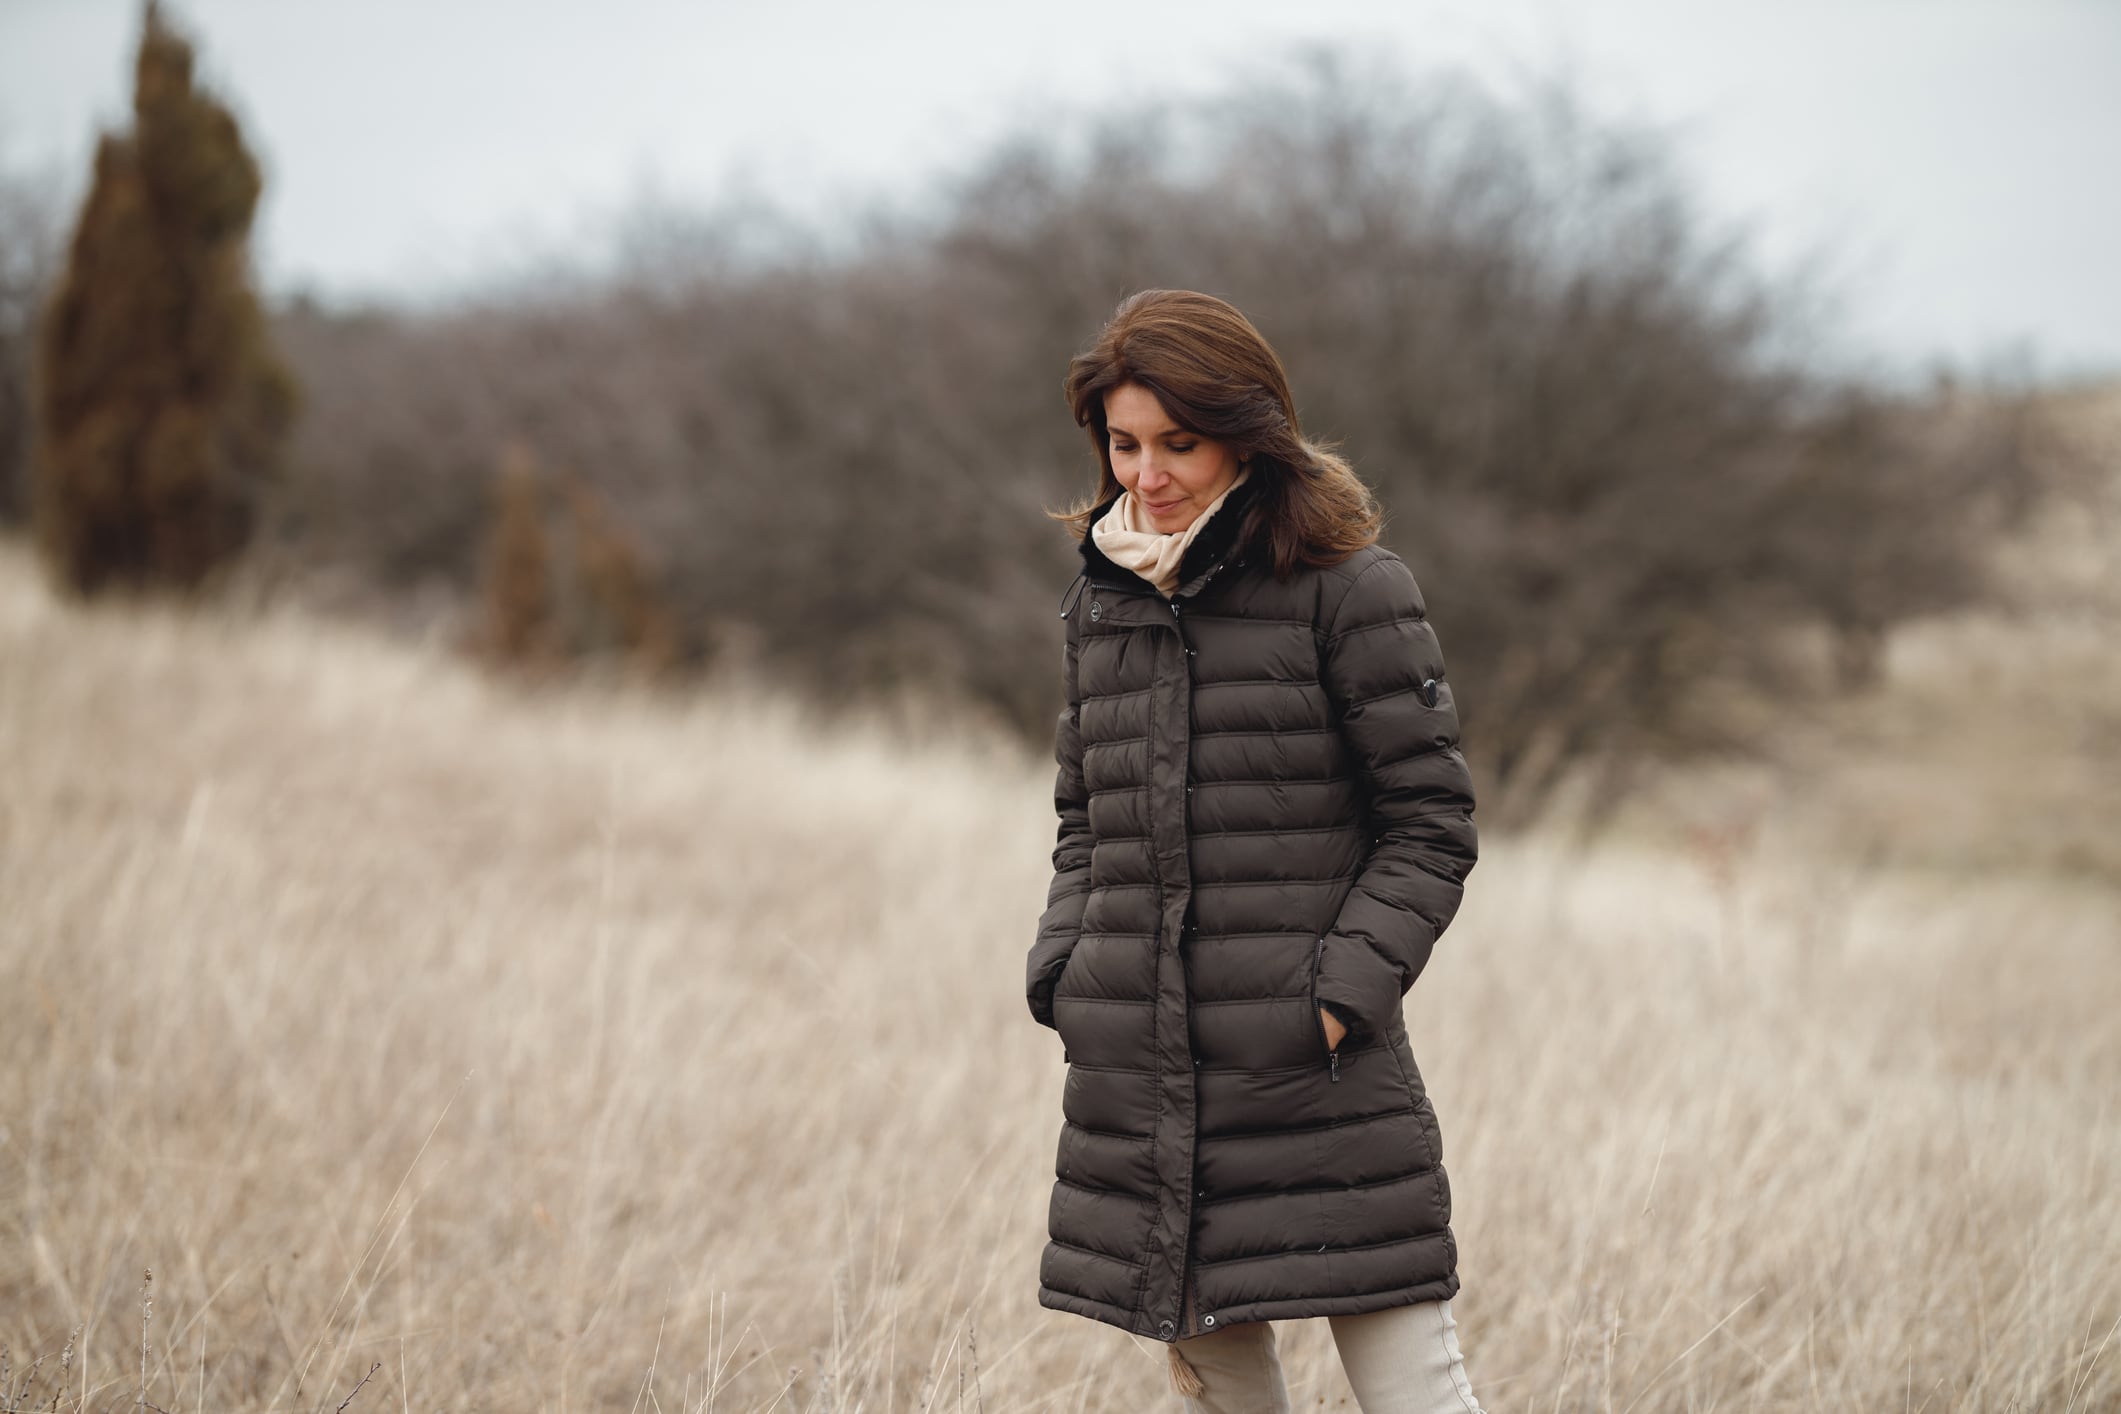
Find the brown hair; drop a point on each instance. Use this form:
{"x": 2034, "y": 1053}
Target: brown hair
{"x": 1216, "y": 376}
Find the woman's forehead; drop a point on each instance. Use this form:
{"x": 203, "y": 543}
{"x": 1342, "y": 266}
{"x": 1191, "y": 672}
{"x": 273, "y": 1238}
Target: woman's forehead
{"x": 1135, "y": 411}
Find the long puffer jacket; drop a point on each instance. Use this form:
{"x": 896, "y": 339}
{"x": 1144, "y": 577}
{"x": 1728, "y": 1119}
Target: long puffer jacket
{"x": 1262, "y": 808}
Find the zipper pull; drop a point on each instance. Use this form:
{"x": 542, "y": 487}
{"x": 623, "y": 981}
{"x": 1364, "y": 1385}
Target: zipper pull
{"x": 1334, "y": 1054}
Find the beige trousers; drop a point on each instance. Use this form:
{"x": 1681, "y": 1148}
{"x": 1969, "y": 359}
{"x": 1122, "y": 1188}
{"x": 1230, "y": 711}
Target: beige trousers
{"x": 1401, "y": 1360}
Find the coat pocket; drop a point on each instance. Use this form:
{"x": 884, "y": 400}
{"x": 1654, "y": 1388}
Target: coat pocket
{"x": 1059, "y": 1008}
{"x": 1065, "y": 1008}
{"x": 1318, "y": 957}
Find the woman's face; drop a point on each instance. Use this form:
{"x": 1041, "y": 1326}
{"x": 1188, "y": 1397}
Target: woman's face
{"x": 1172, "y": 473}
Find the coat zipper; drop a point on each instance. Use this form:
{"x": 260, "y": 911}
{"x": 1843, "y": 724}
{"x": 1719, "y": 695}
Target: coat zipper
{"x": 1185, "y": 1238}
{"x": 1318, "y": 1019}
{"x": 1185, "y": 1241}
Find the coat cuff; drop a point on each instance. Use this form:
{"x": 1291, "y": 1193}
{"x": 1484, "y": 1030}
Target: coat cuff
{"x": 1038, "y": 992}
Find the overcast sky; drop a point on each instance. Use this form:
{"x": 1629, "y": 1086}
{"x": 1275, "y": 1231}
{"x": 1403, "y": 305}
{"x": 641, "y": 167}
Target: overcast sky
{"x": 1955, "y": 157}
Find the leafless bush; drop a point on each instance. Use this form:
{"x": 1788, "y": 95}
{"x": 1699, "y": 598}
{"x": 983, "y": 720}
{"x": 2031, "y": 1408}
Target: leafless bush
{"x": 1634, "y": 490}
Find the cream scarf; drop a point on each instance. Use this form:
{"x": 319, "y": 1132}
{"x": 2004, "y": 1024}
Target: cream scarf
{"x": 1124, "y": 535}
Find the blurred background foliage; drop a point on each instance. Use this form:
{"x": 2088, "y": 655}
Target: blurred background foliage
{"x": 1652, "y": 512}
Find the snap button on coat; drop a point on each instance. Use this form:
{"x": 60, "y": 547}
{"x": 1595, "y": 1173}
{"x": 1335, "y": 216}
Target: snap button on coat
{"x": 1277, "y": 765}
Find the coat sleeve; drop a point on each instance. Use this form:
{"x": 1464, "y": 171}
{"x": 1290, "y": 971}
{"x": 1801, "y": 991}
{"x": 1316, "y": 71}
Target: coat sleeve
{"x": 1384, "y": 671}
{"x": 1066, "y": 896}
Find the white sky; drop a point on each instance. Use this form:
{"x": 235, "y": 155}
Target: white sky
{"x": 1955, "y": 158}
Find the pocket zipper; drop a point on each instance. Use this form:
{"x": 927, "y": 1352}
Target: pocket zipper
{"x": 1318, "y": 956}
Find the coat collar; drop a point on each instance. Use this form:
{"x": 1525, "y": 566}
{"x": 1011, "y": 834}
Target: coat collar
{"x": 1217, "y": 541}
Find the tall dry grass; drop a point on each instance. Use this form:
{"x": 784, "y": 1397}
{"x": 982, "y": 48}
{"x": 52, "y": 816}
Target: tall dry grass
{"x": 590, "y": 1050}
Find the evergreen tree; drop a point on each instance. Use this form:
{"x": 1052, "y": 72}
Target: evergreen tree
{"x": 517, "y": 573}
{"x": 162, "y": 406}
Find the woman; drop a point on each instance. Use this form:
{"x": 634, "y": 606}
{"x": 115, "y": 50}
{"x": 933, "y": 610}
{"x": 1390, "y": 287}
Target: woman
{"x": 1265, "y": 822}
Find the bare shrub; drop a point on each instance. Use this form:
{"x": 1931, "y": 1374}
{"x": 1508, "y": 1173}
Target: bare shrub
{"x": 1646, "y": 508}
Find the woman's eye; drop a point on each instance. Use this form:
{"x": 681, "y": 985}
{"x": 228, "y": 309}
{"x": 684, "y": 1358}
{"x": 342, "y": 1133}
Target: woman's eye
{"x": 1181, "y": 446}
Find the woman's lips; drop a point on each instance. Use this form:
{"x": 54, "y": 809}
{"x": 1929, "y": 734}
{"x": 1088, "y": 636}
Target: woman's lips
{"x": 1162, "y": 505}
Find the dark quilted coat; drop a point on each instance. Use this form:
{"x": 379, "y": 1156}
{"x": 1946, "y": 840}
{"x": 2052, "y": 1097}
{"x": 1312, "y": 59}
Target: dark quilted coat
{"x": 1262, "y": 807}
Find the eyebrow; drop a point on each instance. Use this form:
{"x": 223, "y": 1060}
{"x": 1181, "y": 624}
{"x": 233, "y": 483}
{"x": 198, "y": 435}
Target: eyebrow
{"x": 1123, "y": 432}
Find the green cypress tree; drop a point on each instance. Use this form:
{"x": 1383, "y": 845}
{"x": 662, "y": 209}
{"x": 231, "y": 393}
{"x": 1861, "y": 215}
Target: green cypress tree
{"x": 162, "y": 407}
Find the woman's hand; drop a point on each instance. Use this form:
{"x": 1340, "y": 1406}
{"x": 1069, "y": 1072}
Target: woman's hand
{"x": 1334, "y": 1030}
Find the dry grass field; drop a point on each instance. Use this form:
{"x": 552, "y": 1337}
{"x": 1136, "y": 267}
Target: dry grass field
{"x": 586, "y": 1050}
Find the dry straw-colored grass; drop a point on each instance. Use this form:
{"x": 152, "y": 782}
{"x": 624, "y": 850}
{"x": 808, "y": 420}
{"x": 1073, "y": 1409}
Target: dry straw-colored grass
{"x": 588, "y": 1050}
